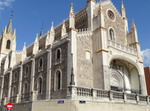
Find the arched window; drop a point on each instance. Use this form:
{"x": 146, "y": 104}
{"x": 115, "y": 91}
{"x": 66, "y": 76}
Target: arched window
{"x": 40, "y": 85}
{"x": 58, "y": 80}
{"x": 112, "y": 34}
{"x": 8, "y": 44}
{"x": 25, "y": 89}
{"x": 58, "y": 55}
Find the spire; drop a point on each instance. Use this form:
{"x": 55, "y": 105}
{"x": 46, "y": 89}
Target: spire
{"x": 71, "y": 10}
{"x": 52, "y": 31}
{"x": 63, "y": 30}
{"x": 36, "y": 45}
{"x": 123, "y": 11}
{"x": 71, "y": 18}
{"x": 9, "y": 26}
{"x": 133, "y": 24}
{"x": 100, "y": 5}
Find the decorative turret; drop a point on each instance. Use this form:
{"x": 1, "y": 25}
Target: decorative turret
{"x": 72, "y": 18}
{"x": 135, "y": 42}
{"x": 63, "y": 30}
{"x": 36, "y": 45}
{"x": 8, "y": 41}
{"x": 101, "y": 15}
{"x": 50, "y": 36}
{"x": 24, "y": 52}
{"x": 134, "y": 32}
{"x": 123, "y": 13}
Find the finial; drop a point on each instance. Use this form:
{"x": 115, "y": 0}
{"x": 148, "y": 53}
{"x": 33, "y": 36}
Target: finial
{"x": 133, "y": 24}
{"x": 123, "y": 5}
{"x": 52, "y": 26}
{"x": 11, "y": 13}
{"x": 24, "y": 47}
{"x": 71, "y": 10}
{"x": 41, "y": 33}
{"x": 100, "y": 5}
{"x": 72, "y": 4}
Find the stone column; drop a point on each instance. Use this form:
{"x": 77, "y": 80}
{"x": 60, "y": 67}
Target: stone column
{"x": 10, "y": 83}
{"x": 143, "y": 85}
{"x": 32, "y": 80}
{"x": 48, "y": 84}
{"x": 1, "y": 94}
{"x": 20, "y": 84}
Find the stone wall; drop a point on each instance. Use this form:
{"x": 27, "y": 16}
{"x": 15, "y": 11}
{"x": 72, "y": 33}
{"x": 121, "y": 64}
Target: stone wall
{"x": 70, "y": 105}
{"x": 84, "y": 65}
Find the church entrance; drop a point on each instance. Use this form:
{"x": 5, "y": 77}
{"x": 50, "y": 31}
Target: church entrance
{"x": 124, "y": 77}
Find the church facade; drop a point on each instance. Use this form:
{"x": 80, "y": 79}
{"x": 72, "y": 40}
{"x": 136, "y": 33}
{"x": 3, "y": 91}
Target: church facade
{"x": 91, "y": 56}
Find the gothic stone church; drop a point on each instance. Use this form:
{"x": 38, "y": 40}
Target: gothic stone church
{"x": 89, "y": 62}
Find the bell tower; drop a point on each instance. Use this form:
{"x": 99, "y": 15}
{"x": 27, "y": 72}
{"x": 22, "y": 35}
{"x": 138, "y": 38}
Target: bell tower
{"x": 8, "y": 39}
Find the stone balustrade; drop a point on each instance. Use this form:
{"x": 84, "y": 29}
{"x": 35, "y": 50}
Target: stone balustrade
{"x": 120, "y": 47}
{"x": 101, "y": 95}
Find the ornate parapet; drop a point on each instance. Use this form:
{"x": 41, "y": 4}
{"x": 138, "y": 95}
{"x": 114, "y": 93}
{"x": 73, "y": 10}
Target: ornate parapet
{"x": 122, "y": 48}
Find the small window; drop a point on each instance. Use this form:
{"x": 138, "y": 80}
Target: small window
{"x": 8, "y": 44}
{"x": 88, "y": 55}
{"x": 112, "y": 34}
{"x": 40, "y": 64}
{"x": 58, "y": 56}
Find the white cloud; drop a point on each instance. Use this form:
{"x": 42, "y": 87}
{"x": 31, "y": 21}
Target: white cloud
{"x": 146, "y": 57}
{"x": 5, "y": 3}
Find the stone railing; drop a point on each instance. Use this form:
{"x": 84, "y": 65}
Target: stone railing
{"x": 103, "y": 95}
{"x": 123, "y": 48}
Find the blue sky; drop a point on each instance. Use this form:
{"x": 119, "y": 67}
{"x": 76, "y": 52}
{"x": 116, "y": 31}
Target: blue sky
{"x": 30, "y": 14}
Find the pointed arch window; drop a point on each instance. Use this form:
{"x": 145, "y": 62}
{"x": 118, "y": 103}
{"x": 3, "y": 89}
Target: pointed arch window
{"x": 40, "y": 64}
{"x": 58, "y": 56}
{"x": 58, "y": 80}
{"x": 111, "y": 34}
{"x": 8, "y": 44}
{"x": 40, "y": 85}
